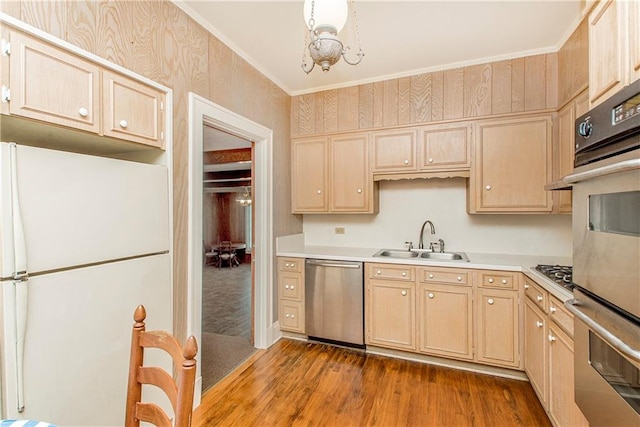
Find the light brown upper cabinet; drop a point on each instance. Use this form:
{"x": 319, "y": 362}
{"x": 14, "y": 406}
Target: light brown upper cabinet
{"x": 512, "y": 165}
{"x": 614, "y": 49}
{"x": 446, "y": 147}
{"x": 332, "y": 175}
{"x": 49, "y": 84}
{"x": 394, "y": 151}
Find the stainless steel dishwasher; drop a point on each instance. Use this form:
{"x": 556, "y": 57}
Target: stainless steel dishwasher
{"x": 334, "y": 295}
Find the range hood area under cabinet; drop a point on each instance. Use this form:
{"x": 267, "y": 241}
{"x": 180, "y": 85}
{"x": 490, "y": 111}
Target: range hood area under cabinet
{"x": 508, "y": 162}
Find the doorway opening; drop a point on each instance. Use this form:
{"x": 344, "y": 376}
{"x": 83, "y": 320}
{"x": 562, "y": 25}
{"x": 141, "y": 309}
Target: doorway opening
{"x": 204, "y": 113}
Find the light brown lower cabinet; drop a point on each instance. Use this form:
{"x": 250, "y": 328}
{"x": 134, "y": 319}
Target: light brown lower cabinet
{"x": 497, "y": 327}
{"x": 548, "y": 357}
{"x": 291, "y": 294}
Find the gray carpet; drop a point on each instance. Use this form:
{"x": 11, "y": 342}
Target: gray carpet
{"x": 226, "y": 321}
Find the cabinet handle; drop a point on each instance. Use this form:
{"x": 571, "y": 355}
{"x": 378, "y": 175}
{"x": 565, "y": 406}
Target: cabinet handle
{"x": 504, "y": 281}
{"x": 404, "y": 274}
{"x": 490, "y": 280}
{"x": 539, "y": 298}
{"x": 539, "y": 324}
{"x": 490, "y": 301}
{"x": 319, "y": 191}
{"x": 430, "y": 294}
{"x": 378, "y": 272}
{"x": 488, "y": 187}
{"x": 551, "y": 338}
{"x": 526, "y": 286}
{"x": 552, "y": 309}
{"x": 404, "y": 293}
{"x": 123, "y": 124}
{"x": 406, "y": 162}
{"x": 430, "y": 160}
{"x": 83, "y": 112}
{"x": 359, "y": 190}
{"x": 459, "y": 278}
{"x": 430, "y": 276}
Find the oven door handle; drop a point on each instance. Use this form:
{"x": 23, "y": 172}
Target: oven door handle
{"x": 573, "y": 306}
{"x": 623, "y": 166}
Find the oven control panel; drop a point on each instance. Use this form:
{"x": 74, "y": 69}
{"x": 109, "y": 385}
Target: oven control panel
{"x": 626, "y": 110}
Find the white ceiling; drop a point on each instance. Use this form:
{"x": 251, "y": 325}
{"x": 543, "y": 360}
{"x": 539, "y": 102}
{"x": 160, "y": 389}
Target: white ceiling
{"x": 399, "y": 38}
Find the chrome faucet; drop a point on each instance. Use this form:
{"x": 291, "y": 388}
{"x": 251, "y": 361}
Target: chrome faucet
{"x": 433, "y": 231}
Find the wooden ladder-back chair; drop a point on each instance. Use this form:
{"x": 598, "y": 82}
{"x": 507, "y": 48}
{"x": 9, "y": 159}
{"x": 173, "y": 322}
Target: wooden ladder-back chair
{"x": 179, "y": 391}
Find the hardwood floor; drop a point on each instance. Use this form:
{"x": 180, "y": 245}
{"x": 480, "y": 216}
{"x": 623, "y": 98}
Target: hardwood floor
{"x": 298, "y": 383}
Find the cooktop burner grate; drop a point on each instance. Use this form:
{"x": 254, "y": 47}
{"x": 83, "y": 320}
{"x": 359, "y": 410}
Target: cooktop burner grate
{"x": 561, "y": 274}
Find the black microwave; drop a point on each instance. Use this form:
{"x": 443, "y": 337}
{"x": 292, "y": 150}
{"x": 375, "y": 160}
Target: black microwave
{"x": 610, "y": 128}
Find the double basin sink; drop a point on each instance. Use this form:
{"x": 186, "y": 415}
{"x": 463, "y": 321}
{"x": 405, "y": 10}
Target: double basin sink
{"x": 420, "y": 255}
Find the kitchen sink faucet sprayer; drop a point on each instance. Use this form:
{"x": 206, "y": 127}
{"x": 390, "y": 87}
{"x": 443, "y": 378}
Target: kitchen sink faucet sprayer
{"x": 433, "y": 231}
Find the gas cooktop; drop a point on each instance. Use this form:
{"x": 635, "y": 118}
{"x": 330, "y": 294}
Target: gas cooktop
{"x": 561, "y": 274}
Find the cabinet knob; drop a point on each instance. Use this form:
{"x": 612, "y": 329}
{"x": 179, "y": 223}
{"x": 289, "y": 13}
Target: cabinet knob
{"x": 83, "y": 112}
{"x": 552, "y": 309}
{"x": 430, "y": 160}
{"x": 404, "y": 274}
{"x": 319, "y": 191}
{"x": 459, "y": 278}
{"x": 551, "y": 338}
{"x": 430, "y": 276}
{"x": 286, "y": 286}
{"x": 539, "y": 298}
{"x": 359, "y": 190}
{"x": 539, "y": 324}
{"x": 293, "y": 264}
{"x": 404, "y": 293}
{"x": 490, "y": 301}
{"x": 287, "y": 315}
{"x": 292, "y": 287}
{"x": 287, "y": 265}
{"x": 123, "y": 124}
{"x": 526, "y": 286}
{"x": 487, "y": 187}
{"x": 430, "y": 295}
{"x": 490, "y": 280}
{"x": 406, "y": 162}
{"x": 378, "y": 272}
{"x": 504, "y": 281}
{"x": 293, "y": 316}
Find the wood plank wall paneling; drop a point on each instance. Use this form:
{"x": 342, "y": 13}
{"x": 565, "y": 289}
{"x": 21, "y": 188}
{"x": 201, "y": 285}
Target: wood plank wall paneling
{"x": 158, "y": 40}
{"x": 510, "y": 86}
{"x": 573, "y": 64}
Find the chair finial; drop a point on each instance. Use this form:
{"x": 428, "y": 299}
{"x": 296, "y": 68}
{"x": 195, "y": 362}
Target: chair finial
{"x": 140, "y": 314}
{"x": 190, "y": 348}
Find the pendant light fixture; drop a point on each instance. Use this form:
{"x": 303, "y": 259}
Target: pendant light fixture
{"x": 324, "y": 20}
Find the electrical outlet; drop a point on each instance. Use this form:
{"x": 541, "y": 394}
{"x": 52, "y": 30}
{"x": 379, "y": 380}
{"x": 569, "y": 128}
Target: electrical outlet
{"x": 339, "y": 230}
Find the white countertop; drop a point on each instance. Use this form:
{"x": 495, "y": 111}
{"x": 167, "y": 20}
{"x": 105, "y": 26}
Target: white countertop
{"x": 295, "y": 248}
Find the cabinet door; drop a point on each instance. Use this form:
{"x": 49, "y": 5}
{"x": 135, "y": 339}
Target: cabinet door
{"x": 562, "y": 406}
{"x": 394, "y": 151}
{"x": 607, "y": 55}
{"x": 350, "y": 183}
{"x": 391, "y": 320}
{"x": 132, "y": 110}
{"x": 292, "y": 316}
{"x": 52, "y": 85}
{"x": 309, "y": 177}
{"x": 513, "y": 165}
{"x": 445, "y": 326}
{"x": 535, "y": 349}
{"x": 634, "y": 40}
{"x": 446, "y": 147}
{"x": 497, "y": 339}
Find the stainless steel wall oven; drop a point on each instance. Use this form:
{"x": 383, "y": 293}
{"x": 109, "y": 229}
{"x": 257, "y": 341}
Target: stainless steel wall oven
{"x": 606, "y": 261}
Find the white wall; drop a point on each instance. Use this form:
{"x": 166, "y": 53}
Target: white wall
{"x": 406, "y": 204}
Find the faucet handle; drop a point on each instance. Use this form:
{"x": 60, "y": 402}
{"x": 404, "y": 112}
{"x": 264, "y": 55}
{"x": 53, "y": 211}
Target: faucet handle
{"x": 410, "y": 245}
{"x": 441, "y": 245}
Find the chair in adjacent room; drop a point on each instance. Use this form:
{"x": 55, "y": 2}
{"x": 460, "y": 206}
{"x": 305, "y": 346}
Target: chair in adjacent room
{"x": 227, "y": 254}
{"x": 179, "y": 391}
{"x": 210, "y": 255}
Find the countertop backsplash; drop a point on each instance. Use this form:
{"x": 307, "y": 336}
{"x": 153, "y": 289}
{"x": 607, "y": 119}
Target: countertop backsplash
{"x": 406, "y": 204}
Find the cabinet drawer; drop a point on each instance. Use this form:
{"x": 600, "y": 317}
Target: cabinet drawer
{"x": 388, "y": 271}
{"x": 444, "y": 275}
{"x": 559, "y": 314}
{"x": 291, "y": 316}
{"x": 498, "y": 279}
{"x": 536, "y": 294}
{"x": 290, "y": 264}
{"x": 290, "y": 286}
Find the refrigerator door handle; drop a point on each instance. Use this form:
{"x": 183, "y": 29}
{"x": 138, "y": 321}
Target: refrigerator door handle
{"x": 20, "y": 275}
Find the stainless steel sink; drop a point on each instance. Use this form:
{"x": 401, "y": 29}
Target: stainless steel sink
{"x": 391, "y": 253}
{"x": 420, "y": 255}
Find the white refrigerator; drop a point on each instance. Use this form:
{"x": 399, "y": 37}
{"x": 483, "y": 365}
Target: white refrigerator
{"x": 84, "y": 240}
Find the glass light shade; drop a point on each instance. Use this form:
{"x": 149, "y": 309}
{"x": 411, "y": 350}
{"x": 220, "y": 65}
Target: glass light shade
{"x": 327, "y": 12}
